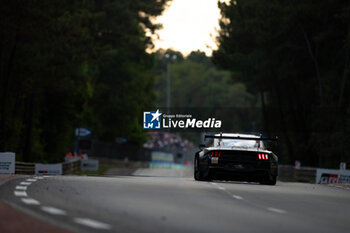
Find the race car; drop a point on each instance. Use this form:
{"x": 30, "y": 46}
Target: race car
{"x": 240, "y": 157}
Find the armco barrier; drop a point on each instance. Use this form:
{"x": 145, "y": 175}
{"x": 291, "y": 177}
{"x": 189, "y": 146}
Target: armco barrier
{"x": 286, "y": 172}
{"x": 71, "y": 167}
{"x": 29, "y": 168}
{"x": 290, "y": 173}
{"x": 305, "y": 174}
{"x": 24, "y": 168}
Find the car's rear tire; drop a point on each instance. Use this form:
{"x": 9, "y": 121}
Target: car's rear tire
{"x": 198, "y": 175}
{"x": 269, "y": 180}
{"x": 195, "y": 169}
{"x": 272, "y": 180}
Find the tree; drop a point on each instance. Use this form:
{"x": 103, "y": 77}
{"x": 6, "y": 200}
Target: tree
{"x": 67, "y": 64}
{"x": 296, "y": 55}
{"x": 125, "y": 82}
{"x": 201, "y": 89}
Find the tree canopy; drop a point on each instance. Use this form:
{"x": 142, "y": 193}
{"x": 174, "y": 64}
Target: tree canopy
{"x": 196, "y": 82}
{"x": 202, "y": 90}
{"x": 296, "y": 55}
{"x": 67, "y": 64}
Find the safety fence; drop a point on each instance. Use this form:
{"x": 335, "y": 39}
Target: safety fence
{"x": 168, "y": 165}
{"x": 71, "y": 167}
{"x": 29, "y": 168}
{"x": 305, "y": 174}
{"x": 302, "y": 174}
{"x": 24, "y": 168}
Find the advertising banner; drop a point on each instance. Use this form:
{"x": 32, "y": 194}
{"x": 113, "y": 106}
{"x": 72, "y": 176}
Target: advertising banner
{"x": 89, "y": 165}
{"x": 7, "y": 163}
{"x": 48, "y": 169}
{"x": 162, "y": 156}
{"x": 332, "y": 176}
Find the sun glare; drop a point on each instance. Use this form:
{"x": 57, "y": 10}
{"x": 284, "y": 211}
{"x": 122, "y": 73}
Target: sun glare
{"x": 189, "y": 25}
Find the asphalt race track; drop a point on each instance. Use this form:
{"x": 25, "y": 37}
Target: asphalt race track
{"x": 152, "y": 201}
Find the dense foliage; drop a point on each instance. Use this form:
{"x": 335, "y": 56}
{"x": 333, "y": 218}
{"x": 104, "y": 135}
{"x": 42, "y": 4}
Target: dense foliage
{"x": 202, "y": 90}
{"x": 67, "y": 64}
{"x": 295, "y": 54}
{"x": 197, "y": 83}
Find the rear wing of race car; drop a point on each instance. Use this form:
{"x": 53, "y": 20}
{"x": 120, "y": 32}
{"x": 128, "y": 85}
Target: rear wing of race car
{"x": 241, "y": 138}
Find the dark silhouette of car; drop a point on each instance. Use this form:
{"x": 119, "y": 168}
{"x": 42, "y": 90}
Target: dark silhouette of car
{"x": 240, "y": 157}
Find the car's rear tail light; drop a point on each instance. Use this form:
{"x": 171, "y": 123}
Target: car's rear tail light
{"x": 216, "y": 154}
{"x": 263, "y": 156}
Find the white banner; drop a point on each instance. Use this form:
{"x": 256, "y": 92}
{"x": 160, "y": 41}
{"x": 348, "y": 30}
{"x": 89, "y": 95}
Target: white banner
{"x": 48, "y": 169}
{"x": 89, "y": 165}
{"x": 332, "y": 176}
{"x": 162, "y": 156}
{"x": 7, "y": 163}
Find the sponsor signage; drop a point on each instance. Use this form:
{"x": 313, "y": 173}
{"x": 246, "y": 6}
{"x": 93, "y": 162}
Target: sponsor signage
{"x": 332, "y": 176}
{"x": 89, "y": 165}
{"x": 82, "y": 132}
{"x": 157, "y": 120}
{"x": 160, "y": 156}
{"x": 48, "y": 169}
{"x": 7, "y": 163}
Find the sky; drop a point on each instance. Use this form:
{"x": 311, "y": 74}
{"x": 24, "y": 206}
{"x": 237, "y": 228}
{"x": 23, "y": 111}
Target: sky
{"x": 189, "y": 25}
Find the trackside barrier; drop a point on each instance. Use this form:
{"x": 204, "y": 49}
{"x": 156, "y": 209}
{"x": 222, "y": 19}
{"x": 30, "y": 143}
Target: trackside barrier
{"x": 7, "y": 162}
{"x": 89, "y": 165}
{"x": 25, "y": 168}
{"x": 167, "y": 165}
{"x": 285, "y": 172}
{"x": 332, "y": 176}
{"x": 71, "y": 167}
{"x": 303, "y": 174}
{"x": 29, "y": 168}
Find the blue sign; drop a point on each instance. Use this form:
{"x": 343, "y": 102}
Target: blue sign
{"x": 152, "y": 120}
{"x": 82, "y": 132}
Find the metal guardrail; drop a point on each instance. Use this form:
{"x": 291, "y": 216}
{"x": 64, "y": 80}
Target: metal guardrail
{"x": 71, "y": 167}
{"x": 303, "y": 174}
{"x": 24, "y": 168}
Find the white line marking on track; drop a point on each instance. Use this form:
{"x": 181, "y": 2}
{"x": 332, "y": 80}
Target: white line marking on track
{"x": 38, "y": 177}
{"x": 25, "y": 183}
{"x": 20, "y": 193}
{"x": 276, "y": 210}
{"x": 221, "y": 188}
{"x": 92, "y": 223}
{"x": 237, "y": 197}
{"x": 53, "y": 210}
{"x": 30, "y": 201}
{"x": 19, "y": 187}
{"x": 31, "y": 180}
